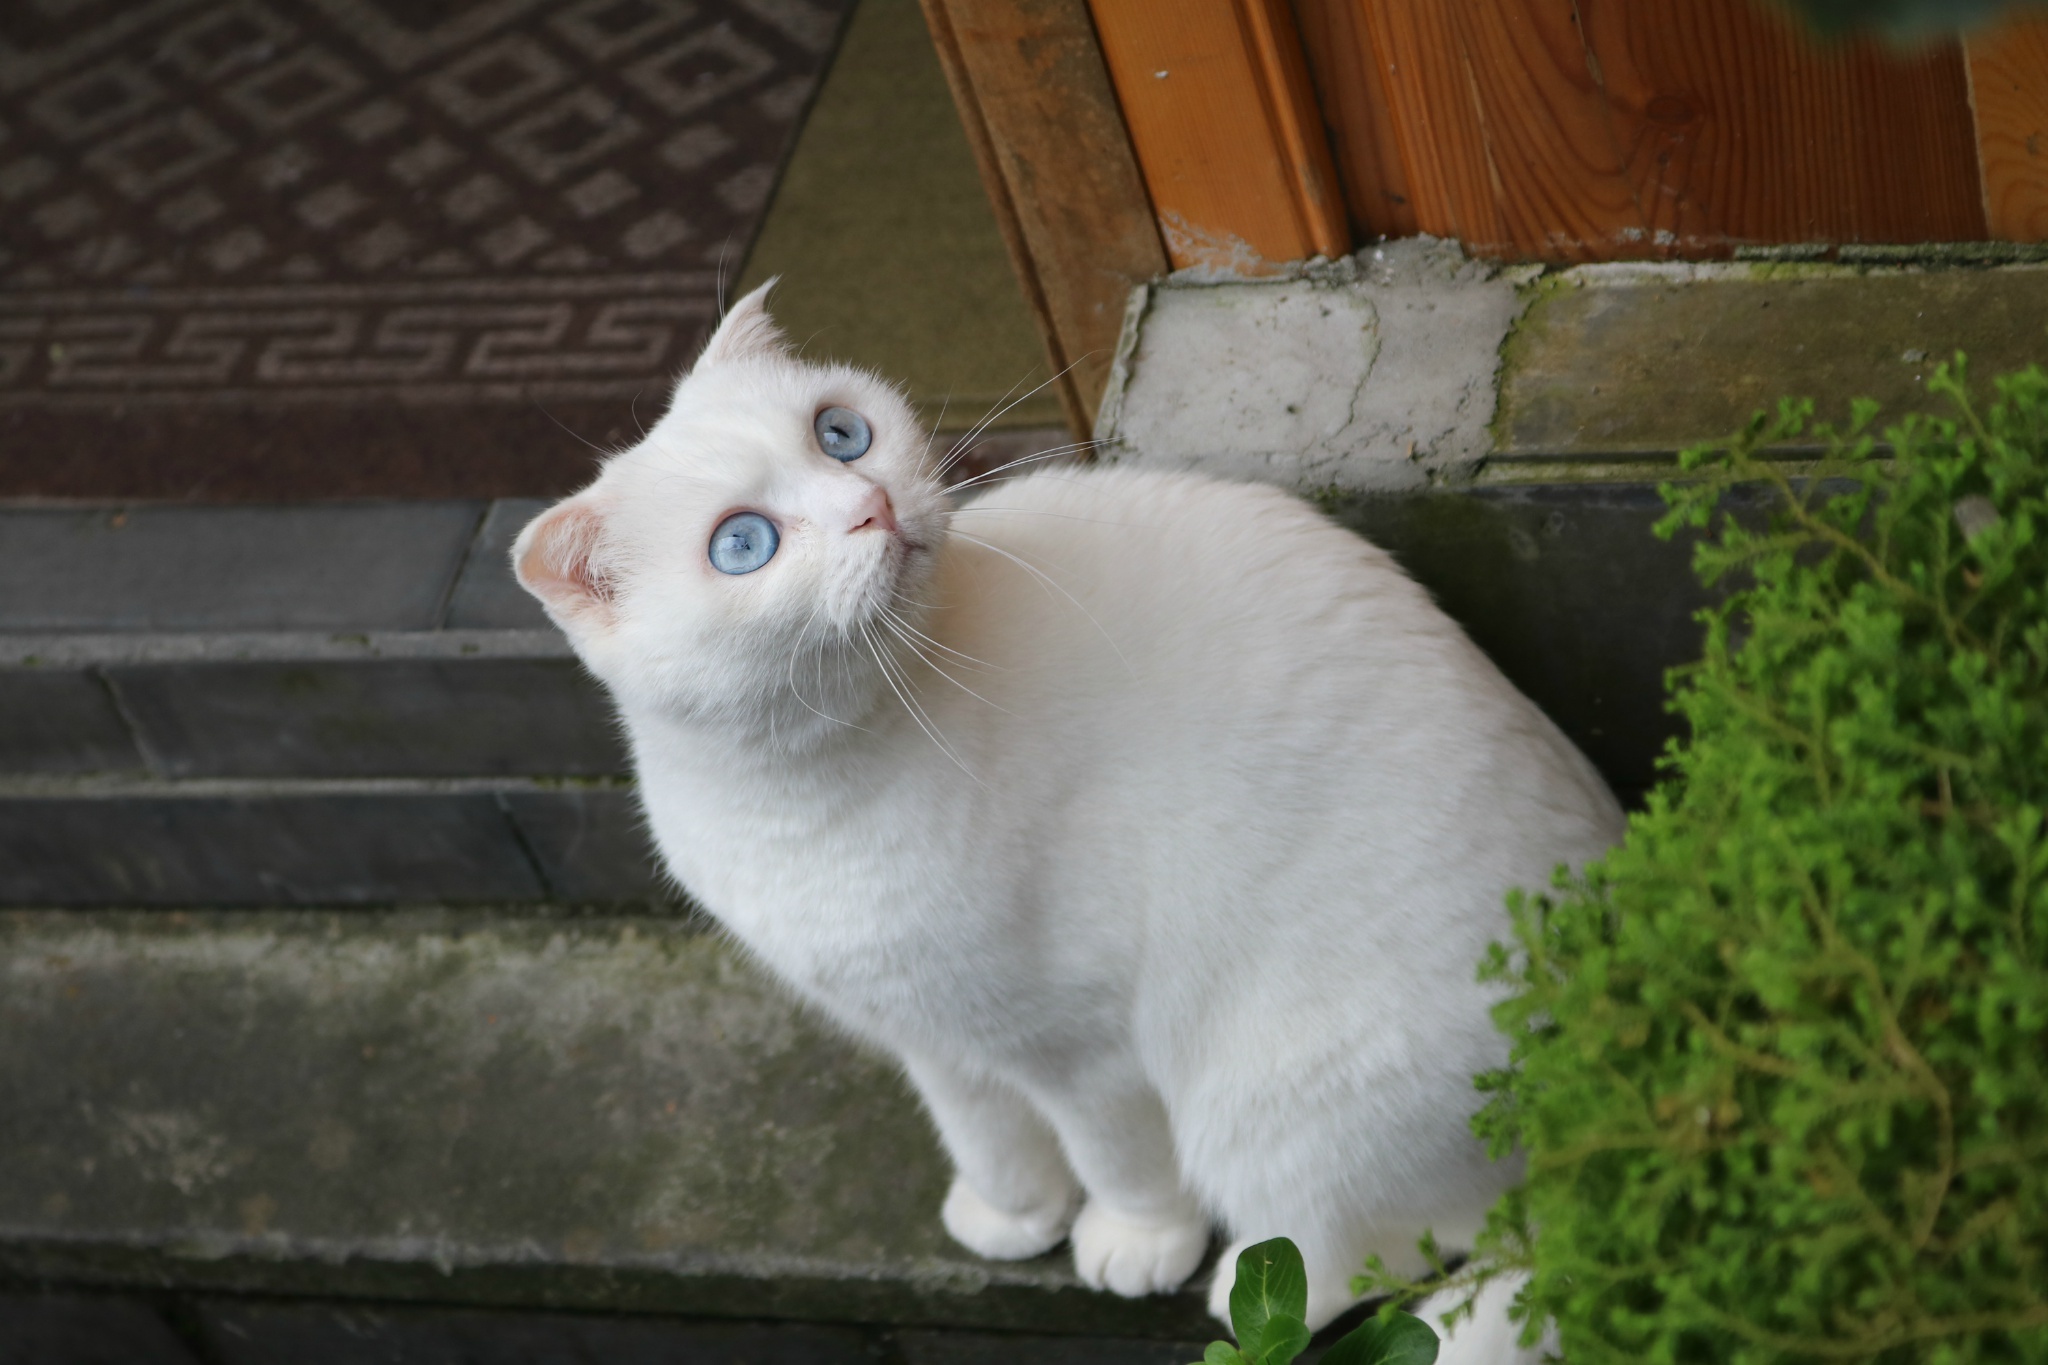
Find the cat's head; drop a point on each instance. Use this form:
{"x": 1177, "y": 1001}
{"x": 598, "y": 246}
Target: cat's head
{"x": 740, "y": 564}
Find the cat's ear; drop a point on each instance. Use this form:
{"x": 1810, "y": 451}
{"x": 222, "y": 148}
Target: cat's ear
{"x": 746, "y": 333}
{"x": 561, "y": 558}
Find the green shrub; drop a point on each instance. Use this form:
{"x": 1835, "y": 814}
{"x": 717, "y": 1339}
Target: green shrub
{"x": 1781, "y": 1062}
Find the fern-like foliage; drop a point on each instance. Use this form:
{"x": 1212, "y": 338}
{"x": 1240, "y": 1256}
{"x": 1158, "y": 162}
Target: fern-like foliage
{"x": 1781, "y": 1061}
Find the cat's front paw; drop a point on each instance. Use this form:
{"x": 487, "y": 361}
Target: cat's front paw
{"x": 988, "y": 1231}
{"x": 1131, "y": 1257}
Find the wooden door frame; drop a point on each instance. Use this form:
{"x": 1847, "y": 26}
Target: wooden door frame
{"x": 1123, "y": 138}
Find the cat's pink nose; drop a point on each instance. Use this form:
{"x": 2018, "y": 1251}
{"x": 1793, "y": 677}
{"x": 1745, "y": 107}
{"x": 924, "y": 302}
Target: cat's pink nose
{"x": 873, "y": 513}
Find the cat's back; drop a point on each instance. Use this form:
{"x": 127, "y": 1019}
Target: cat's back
{"x": 1143, "y": 575}
{"x": 1232, "y": 654}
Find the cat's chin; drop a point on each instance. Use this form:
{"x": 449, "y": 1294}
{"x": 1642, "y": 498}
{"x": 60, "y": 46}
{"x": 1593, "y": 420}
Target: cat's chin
{"x": 866, "y": 598}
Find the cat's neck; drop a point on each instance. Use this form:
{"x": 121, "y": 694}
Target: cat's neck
{"x": 825, "y": 710}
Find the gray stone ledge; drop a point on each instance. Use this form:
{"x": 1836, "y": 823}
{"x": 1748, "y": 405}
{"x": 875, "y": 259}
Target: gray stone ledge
{"x": 130, "y": 786}
{"x": 464, "y": 1107}
{"x": 240, "y": 842}
{"x": 385, "y": 717}
{"x": 105, "y": 1329}
{"x": 472, "y": 703}
{"x": 486, "y": 596}
{"x": 165, "y": 567}
{"x": 1408, "y": 366}
{"x": 20, "y": 650}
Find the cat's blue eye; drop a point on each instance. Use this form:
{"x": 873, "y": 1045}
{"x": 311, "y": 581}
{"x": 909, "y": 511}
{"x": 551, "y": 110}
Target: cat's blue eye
{"x": 843, "y": 433}
{"x": 743, "y": 542}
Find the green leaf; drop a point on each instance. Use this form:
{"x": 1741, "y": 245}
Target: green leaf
{"x": 1222, "y": 1353}
{"x": 1270, "y": 1283}
{"x": 1391, "y": 1339}
{"x": 1286, "y": 1337}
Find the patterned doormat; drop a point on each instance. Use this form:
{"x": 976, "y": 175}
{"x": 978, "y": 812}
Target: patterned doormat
{"x": 314, "y": 248}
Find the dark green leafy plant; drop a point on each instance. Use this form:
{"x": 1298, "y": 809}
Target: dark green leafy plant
{"x": 1269, "y": 1300}
{"x": 1781, "y": 1061}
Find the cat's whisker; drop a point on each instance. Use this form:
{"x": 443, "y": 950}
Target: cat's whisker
{"x": 1042, "y": 512}
{"x": 1062, "y": 449}
{"x": 718, "y": 279}
{"x": 937, "y": 644}
{"x": 915, "y": 711}
{"x": 967, "y": 441}
{"x": 1049, "y": 582}
{"x": 907, "y": 693}
{"x": 935, "y": 667}
{"x": 1056, "y": 452}
{"x": 985, "y": 423}
{"x": 797, "y": 692}
{"x": 931, "y": 431}
{"x": 1042, "y": 476}
{"x": 577, "y": 435}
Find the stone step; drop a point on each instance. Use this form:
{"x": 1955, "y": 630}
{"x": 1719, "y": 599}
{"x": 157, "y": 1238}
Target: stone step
{"x": 347, "y": 704}
{"x": 208, "y": 1329}
{"x": 298, "y": 704}
{"x": 476, "y": 1108}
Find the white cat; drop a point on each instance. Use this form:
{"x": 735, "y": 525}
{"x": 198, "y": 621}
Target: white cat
{"x": 1156, "y": 824}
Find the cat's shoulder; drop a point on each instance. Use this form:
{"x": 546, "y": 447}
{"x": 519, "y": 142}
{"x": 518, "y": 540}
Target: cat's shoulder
{"x": 1077, "y": 489}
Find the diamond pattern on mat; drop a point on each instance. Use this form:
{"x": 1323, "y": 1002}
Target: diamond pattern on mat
{"x": 161, "y": 141}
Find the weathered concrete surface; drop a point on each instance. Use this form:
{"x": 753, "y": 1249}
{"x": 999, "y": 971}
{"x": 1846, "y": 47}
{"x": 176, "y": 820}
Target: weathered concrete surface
{"x": 364, "y": 566}
{"x": 470, "y": 1107}
{"x": 256, "y": 1333}
{"x": 1408, "y": 366}
{"x": 1371, "y": 373}
{"x": 348, "y": 704}
{"x": 69, "y": 1328}
{"x": 61, "y": 722}
{"x": 1632, "y": 358}
{"x": 1565, "y": 588}
{"x": 253, "y": 844}
{"x": 486, "y": 594}
{"x": 79, "y": 1329}
{"x": 590, "y": 844}
{"x": 447, "y": 717}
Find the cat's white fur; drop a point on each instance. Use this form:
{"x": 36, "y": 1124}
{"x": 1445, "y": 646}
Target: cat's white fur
{"x": 1156, "y": 824}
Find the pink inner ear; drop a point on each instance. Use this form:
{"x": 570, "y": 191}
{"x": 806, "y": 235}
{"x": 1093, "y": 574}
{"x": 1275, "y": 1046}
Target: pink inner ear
{"x": 558, "y": 558}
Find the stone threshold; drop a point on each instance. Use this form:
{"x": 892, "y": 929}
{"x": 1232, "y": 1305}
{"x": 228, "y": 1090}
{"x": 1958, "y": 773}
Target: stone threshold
{"x": 480, "y": 1108}
{"x": 1409, "y": 366}
{"x": 72, "y": 1328}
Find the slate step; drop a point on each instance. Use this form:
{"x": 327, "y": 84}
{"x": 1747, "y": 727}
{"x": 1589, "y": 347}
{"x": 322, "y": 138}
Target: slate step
{"x": 80, "y": 1329}
{"x": 355, "y": 704}
{"x": 475, "y": 1108}
{"x": 298, "y": 704}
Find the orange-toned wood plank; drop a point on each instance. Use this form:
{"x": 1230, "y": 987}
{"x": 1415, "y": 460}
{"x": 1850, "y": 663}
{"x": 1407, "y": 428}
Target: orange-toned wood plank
{"x": 1598, "y": 129}
{"x": 1040, "y": 113}
{"x": 2009, "y": 94}
{"x": 1359, "y": 115}
{"x": 1220, "y": 107}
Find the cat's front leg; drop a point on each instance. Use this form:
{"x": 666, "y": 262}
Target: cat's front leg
{"x": 1140, "y": 1231}
{"x": 1012, "y": 1195}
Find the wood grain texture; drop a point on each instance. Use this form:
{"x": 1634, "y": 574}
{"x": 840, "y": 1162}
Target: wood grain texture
{"x": 1042, "y": 117}
{"x": 2008, "y": 67}
{"x": 1222, "y": 112}
{"x": 1548, "y": 129}
{"x": 1359, "y": 116}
